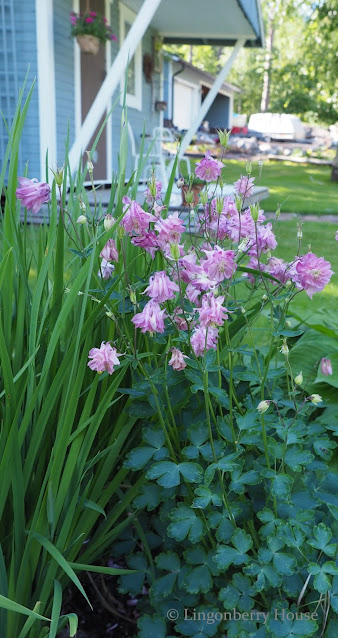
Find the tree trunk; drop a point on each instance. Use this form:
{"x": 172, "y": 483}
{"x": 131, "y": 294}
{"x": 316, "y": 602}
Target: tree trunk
{"x": 268, "y": 60}
{"x": 334, "y": 174}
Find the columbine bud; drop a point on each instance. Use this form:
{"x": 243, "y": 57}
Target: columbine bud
{"x": 175, "y": 251}
{"x": 58, "y": 174}
{"x": 264, "y": 298}
{"x": 108, "y": 222}
{"x": 120, "y": 232}
{"x": 204, "y": 197}
{"x": 132, "y": 297}
{"x": 284, "y": 349}
{"x": 243, "y": 311}
{"x": 223, "y": 137}
{"x": 238, "y": 202}
{"x": 219, "y": 204}
{"x": 248, "y": 168}
{"x": 180, "y": 182}
{"x": 326, "y": 366}
{"x": 254, "y": 210}
{"x": 299, "y": 378}
{"x": 278, "y": 211}
{"x": 260, "y": 163}
{"x": 192, "y": 213}
{"x": 263, "y": 406}
{"x": 299, "y": 231}
{"x": 81, "y": 220}
{"x": 90, "y": 165}
{"x": 315, "y": 399}
{"x": 152, "y": 186}
{"x": 189, "y": 197}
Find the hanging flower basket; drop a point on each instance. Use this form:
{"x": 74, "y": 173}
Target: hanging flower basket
{"x": 90, "y": 29}
{"x": 88, "y": 43}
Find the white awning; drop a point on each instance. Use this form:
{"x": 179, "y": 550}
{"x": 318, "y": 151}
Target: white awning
{"x": 218, "y": 22}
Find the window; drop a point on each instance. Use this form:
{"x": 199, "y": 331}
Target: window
{"x": 134, "y": 82}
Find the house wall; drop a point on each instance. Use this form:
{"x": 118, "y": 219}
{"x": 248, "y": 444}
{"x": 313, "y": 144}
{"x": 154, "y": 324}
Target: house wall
{"x": 218, "y": 115}
{"x": 18, "y": 57}
{"x": 18, "y": 50}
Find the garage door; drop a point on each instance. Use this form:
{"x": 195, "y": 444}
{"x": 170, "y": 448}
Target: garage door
{"x": 185, "y": 103}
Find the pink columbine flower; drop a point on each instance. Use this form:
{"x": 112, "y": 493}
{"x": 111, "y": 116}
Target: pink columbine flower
{"x": 266, "y": 240}
{"x": 279, "y": 269}
{"x": 136, "y": 220}
{"x": 169, "y": 229}
{"x": 219, "y": 264}
{"x": 177, "y": 359}
{"x": 148, "y": 241}
{"x": 326, "y": 366}
{"x": 178, "y": 320}
{"x": 93, "y": 14}
{"x": 89, "y": 20}
{"x": 244, "y": 185}
{"x": 32, "y": 193}
{"x": 212, "y": 312}
{"x": 312, "y": 273}
{"x": 161, "y": 288}
{"x": 204, "y": 339}
{"x": 109, "y": 252}
{"x": 106, "y": 269}
{"x": 103, "y": 358}
{"x": 208, "y": 169}
{"x": 151, "y": 319}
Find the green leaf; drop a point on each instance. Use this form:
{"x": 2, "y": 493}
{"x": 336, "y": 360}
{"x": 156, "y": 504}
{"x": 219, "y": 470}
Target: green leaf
{"x": 198, "y": 580}
{"x": 11, "y": 605}
{"x": 285, "y": 623}
{"x": 204, "y": 496}
{"x": 133, "y": 583}
{"x": 149, "y": 497}
{"x": 281, "y": 486}
{"x": 168, "y": 473}
{"x": 201, "y": 628}
{"x": 240, "y": 480}
{"x": 284, "y": 563}
{"x": 295, "y": 457}
{"x": 226, "y": 556}
{"x": 322, "y": 582}
{"x": 323, "y": 535}
{"x": 93, "y": 506}
{"x": 185, "y": 524}
{"x": 242, "y": 541}
{"x": 54, "y": 552}
{"x": 151, "y": 626}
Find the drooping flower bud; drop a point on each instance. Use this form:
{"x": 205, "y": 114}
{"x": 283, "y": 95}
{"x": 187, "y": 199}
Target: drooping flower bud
{"x": 90, "y": 165}
{"x": 81, "y": 219}
{"x": 263, "y": 406}
{"x": 315, "y": 399}
{"x": 326, "y": 366}
{"x": 299, "y": 378}
{"x": 108, "y": 222}
{"x": 204, "y": 197}
{"x": 284, "y": 349}
{"x": 180, "y": 182}
{"x": 223, "y": 137}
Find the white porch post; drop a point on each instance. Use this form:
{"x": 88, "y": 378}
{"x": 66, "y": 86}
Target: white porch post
{"x": 207, "y": 102}
{"x": 46, "y": 84}
{"x": 112, "y": 80}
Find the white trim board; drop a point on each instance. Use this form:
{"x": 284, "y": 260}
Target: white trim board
{"x": 46, "y": 84}
{"x": 133, "y": 101}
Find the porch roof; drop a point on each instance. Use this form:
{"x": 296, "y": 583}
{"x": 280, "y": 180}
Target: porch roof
{"x": 216, "y": 22}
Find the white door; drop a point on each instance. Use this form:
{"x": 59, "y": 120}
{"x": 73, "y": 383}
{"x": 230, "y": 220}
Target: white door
{"x": 184, "y": 104}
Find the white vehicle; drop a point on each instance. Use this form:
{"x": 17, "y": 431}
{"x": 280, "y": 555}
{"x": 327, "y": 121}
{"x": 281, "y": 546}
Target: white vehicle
{"x": 276, "y": 126}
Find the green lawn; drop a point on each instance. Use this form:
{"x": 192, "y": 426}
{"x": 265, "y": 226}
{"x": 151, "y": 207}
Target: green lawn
{"x": 321, "y": 237}
{"x": 299, "y": 188}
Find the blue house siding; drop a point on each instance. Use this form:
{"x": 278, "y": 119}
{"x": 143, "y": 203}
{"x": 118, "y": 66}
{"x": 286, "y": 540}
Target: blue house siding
{"x": 218, "y": 115}
{"x": 17, "y": 55}
{"x": 64, "y": 77}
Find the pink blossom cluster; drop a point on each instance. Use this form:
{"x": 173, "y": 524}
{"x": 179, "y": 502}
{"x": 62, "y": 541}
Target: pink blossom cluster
{"x": 199, "y": 274}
